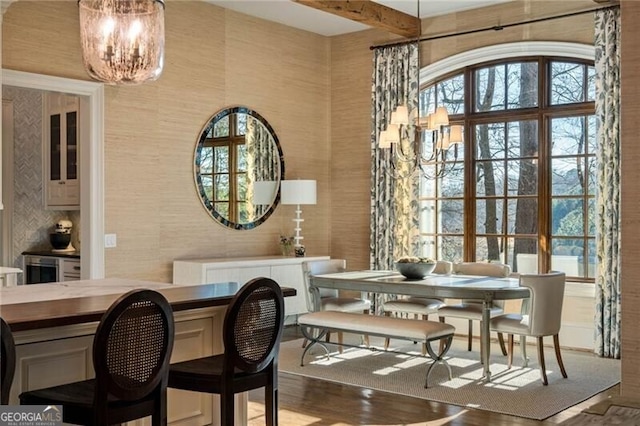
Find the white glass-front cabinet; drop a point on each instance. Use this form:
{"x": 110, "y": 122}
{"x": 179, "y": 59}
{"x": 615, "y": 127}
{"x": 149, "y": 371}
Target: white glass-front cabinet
{"x": 61, "y": 156}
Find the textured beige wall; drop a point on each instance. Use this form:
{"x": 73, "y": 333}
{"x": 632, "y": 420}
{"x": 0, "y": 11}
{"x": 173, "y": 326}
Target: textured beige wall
{"x": 630, "y": 109}
{"x": 214, "y": 59}
{"x": 572, "y": 29}
{"x": 351, "y": 62}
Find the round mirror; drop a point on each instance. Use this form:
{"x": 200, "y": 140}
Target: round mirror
{"x": 238, "y": 168}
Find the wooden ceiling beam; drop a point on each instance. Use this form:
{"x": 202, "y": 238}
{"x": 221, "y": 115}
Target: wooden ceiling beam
{"x": 369, "y": 13}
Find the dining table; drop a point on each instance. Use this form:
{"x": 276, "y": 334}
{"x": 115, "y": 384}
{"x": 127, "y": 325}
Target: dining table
{"x": 481, "y": 288}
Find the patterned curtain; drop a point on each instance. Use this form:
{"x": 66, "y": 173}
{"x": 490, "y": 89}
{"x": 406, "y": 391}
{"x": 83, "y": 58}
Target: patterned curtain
{"x": 394, "y": 189}
{"x": 262, "y": 162}
{"x": 607, "y": 64}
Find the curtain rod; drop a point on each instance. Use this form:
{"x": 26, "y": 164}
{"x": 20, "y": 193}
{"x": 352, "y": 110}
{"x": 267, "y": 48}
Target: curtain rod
{"x": 492, "y": 28}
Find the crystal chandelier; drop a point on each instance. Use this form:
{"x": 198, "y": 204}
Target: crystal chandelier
{"x": 122, "y": 40}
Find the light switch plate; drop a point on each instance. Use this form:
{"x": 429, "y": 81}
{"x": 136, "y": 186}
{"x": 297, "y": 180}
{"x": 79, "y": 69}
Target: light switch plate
{"x": 110, "y": 240}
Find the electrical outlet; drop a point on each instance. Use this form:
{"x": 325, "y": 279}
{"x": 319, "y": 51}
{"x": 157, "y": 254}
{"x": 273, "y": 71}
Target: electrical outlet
{"x": 109, "y": 240}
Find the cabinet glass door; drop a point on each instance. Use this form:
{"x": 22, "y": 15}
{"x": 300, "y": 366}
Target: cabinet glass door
{"x": 72, "y": 145}
{"x": 54, "y": 152}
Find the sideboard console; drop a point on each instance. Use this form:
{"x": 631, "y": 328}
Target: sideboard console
{"x": 286, "y": 271}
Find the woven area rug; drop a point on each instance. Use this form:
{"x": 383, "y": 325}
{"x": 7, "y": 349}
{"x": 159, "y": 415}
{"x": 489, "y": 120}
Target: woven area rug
{"x": 518, "y": 392}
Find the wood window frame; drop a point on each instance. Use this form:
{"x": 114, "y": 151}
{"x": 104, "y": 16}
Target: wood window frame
{"x": 232, "y": 141}
{"x": 543, "y": 114}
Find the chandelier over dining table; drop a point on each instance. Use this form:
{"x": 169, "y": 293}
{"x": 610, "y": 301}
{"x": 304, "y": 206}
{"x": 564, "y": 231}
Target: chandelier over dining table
{"x": 397, "y": 137}
{"x": 406, "y": 134}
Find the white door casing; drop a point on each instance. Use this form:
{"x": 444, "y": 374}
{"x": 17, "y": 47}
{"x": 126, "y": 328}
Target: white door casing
{"x": 91, "y": 158}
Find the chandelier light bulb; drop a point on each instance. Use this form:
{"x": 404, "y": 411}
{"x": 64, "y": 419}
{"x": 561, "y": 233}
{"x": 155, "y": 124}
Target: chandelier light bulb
{"x": 134, "y": 31}
{"x": 108, "y": 25}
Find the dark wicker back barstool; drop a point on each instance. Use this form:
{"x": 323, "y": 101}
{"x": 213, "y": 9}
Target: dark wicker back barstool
{"x": 7, "y": 360}
{"x": 131, "y": 351}
{"x": 252, "y": 332}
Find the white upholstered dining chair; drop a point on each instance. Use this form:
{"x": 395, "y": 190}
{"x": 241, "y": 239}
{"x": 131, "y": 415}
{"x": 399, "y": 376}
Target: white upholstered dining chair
{"x": 330, "y": 299}
{"x": 541, "y": 316}
{"x": 420, "y": 307}
{"x": 471, "y": 310}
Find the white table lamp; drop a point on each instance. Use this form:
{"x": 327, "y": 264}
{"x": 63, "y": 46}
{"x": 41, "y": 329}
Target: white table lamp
{"x": 298, "y": 192}
{"x": 264, "y": 192}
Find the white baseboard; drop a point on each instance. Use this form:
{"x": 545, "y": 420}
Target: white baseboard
{"x": 577, "y": 336}
{"x": 587, "y": 290}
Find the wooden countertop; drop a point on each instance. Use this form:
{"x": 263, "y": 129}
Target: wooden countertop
{"x": 36, "y": 306}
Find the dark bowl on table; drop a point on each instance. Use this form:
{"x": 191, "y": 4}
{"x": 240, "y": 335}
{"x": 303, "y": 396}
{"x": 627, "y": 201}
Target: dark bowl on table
{"x": 415, "y": 271}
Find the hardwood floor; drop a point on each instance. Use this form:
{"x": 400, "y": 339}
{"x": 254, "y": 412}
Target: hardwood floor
{"x": 309, "y": 402}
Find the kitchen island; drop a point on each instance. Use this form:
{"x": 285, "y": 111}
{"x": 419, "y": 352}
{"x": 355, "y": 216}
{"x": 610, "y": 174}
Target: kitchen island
{"x": 54, "y": 323}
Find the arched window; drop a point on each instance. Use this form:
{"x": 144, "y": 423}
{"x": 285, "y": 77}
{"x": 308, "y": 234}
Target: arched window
{"x": 521, "y": 188}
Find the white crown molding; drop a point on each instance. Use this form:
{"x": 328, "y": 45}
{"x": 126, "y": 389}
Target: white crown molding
{"x": 6, "y": 4}
{"x": 92, "y": 177}
{"x": 438, "y": 69}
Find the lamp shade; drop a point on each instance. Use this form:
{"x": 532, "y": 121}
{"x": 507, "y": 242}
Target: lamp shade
{"x": 393, "y": 134}
{"x": 383, "y": 140}
{"x": 122, "y": 40}
{"x": 455, "y": 135}
{"x": 431, "y": 122}
{"x": 400, "y": 116}
{"x": 264, "y": 192}
{"x": 441, "y": 117}
{"x": 298, "y": 191}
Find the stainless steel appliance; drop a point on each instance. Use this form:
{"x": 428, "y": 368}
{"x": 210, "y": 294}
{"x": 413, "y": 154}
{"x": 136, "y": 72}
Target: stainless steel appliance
{"x": 41, "y": 269}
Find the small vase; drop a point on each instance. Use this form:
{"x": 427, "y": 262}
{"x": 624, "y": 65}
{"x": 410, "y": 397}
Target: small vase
{"x": 286, "y": 249}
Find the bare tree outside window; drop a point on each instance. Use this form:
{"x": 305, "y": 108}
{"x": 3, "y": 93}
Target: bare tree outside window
{"x": 526, "y": 223}
{"x": 529, "y": 196}
{"x": 485, "y": 175}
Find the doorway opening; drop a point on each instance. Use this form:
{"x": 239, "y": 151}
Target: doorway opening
{"x": 91, "y": 128}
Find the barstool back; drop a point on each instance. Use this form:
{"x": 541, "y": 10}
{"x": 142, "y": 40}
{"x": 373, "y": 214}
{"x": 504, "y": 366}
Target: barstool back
{"x": 8, "y": 361}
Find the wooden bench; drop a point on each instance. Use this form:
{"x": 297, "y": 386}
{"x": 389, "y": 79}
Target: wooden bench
{"x": 399, "y": 328}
